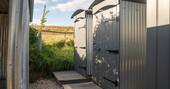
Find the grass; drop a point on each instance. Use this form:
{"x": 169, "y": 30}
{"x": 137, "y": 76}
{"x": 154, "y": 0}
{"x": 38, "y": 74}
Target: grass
{"x": 52, "y": 38}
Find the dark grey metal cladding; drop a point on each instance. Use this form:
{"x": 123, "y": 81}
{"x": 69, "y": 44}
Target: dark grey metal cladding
{"x": 80, "y": 61}
{"x": 158, "y": 63}
{"x": 132, "y": 44}
{"x": 150, "y": 68}
{"x": 4, "y": 6}
{"x": 79, "y": 64}
{"x": 3, "y": 38}
{"x": 31, "y": 7}
{"x": 163, "y": 57}
{"x": 111, "y": 73}
{"x": 3, "y": 45}
{"x": 97, "y": 67}
{"x": 106, "y": 48}
{"x": 158, "y": 50}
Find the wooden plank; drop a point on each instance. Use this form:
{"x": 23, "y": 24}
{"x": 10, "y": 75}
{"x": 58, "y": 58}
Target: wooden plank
{"x": 88, "y": 85}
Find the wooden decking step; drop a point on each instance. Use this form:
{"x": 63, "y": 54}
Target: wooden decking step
{"x": 70, "y": 77}
{"x": 88, "y": 85}
{"x": 74, "y": 80}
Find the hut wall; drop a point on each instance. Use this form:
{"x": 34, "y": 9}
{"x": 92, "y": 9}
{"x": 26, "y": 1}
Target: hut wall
{"x": 106, "y": 44}
{"x": 119, "y": 50}
{"x": 132, "y": 44}
{"x": 89, "y": 42}
{"x": 158, "y": 45}
{"x": 18, "y": 44}
{"x": 83, "y": 42}
{"x": 80, "y": 43}
{"x": 3, "y": 48}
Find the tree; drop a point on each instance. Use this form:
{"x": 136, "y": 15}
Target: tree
{"x": 43, "y": 21}
{"x": 43, "y": 18}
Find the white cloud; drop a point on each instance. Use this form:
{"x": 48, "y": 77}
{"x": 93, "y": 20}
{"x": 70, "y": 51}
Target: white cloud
{"x": 36, "y": 21}
{"x": 40, "y": 1}
{"x": 73, "y": 5}
{"x": 55, "y": 0}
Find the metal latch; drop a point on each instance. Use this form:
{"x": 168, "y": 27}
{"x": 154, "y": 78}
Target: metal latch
{"x": 113, "y": 51}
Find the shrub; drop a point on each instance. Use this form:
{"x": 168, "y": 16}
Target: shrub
{"x": 52, "y": 57}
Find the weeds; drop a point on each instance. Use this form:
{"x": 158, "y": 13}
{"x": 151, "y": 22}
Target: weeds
{"x": 53, "y": 57}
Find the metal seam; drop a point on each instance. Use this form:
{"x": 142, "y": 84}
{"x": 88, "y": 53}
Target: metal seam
{"x": 157, "y": 16}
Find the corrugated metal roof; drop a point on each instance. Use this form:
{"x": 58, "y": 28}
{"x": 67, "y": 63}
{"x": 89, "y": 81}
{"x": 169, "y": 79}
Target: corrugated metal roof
{"x": 140, "y": 1}
{"x": 77, "y": 12}
{"x": 95, "y": 3}
{"x": 4, "y": 6}
{"x": 105, "y": 8}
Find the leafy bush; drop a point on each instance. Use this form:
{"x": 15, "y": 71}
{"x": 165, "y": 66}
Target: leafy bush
{"x": 52, "y": 57}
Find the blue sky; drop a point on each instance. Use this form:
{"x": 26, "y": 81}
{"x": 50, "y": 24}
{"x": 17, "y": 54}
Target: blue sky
{"x": 60, "y": 10}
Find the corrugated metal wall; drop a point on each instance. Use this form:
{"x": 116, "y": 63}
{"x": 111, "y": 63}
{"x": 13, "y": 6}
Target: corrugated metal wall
{"x": 89, "y": 40}
{"x": 3, "y": 49}
{"x": 158, "y": 45}
{"x": 132, "y": 44}
{"x": 106, "y": 44}
{"x": 3, "y": 44}
{"x": 18, "y": 45}
{"x": 80, "y": 43}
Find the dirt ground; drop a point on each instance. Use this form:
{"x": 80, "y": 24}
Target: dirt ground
{"x": 45, "y": 84}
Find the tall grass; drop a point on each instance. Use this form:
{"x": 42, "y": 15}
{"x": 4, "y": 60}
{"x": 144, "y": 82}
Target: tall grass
{"x": 53, "y": 57}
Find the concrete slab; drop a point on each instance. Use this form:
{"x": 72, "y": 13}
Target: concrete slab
{"x": 67, "y": 77}
{"x": 88, "y": 85}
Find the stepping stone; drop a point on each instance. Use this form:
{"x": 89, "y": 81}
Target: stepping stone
{"x": 69, "y": 77}
{"x": 88, "y": 85}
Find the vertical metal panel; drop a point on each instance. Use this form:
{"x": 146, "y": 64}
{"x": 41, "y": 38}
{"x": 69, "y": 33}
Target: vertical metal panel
{"x": 157, "y": 64}
{"x": 106, "y": 44}
{"x": 3, "y": 47}
{"x": 80, "y": 43}
{"x": 89, "y": 39}
{"x": 132, "y": 44}
{"x": 25, "y": 45}
{"x": 18, "y": 48}
{"x": 151, "y": 59}
{"x": 163, "y": 62}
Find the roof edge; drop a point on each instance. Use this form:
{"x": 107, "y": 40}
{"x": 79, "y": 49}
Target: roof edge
{"x": 95, "y": 3}
{"x": 77, "y": 12}
{"x": 137, "y": 1}
{"x": 31, "y": 7}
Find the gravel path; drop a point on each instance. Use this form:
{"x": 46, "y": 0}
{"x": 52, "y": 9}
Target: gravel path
{"x": 45, "y": 84}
